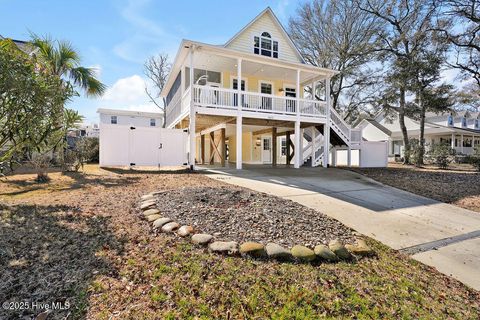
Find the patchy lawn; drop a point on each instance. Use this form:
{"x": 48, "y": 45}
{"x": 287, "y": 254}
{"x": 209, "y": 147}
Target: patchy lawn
{"x": 458, "y": 185}
{"x": 80, "y": 239}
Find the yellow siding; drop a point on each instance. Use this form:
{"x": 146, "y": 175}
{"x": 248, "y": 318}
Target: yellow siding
{"x": 253, "y": 83}
{"x": 244, "y": 41}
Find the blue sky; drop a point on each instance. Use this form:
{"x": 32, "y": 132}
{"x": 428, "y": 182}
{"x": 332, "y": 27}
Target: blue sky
{"x": 117, "y": 36}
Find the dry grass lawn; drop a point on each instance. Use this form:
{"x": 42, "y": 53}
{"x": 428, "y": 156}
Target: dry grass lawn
{"x": 458, "y": 185}
{"x": 80, "y": 238}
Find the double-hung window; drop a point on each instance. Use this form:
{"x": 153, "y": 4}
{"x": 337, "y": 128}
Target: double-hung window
{"x": 265, "y": 46}
{"x": 113, "y": 119}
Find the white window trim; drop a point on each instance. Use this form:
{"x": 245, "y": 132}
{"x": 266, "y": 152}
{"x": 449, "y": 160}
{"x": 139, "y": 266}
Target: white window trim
{"x": 289, "y": 86}
{"x": 236, "y": 78}
{"x": 267, "y": 82}
{"x": 259, "y": 35}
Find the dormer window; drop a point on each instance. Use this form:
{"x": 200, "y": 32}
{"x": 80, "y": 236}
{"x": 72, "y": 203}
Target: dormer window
{"x": 464, "y": 122}
{"x": 450, "y": 121}
{"x": 476, "y": 125}
{"x": 265, "y": 46}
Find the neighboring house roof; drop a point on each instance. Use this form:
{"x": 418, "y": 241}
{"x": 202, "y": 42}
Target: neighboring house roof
{"x": 268, "y": 11}
{"x": 379, "y": 126}
{"x": 119, "y": 112}
{"x": 22, "y": 45}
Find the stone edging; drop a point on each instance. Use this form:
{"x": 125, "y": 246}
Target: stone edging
{"x": 335, "y": 251}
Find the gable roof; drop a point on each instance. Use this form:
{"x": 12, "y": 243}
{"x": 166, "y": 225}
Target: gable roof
{"x": 268, "y": 11}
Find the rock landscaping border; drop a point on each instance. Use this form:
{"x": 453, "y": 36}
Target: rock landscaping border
{"x": 334, "y": 252}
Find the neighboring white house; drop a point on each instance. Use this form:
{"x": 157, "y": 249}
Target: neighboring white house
{"x": 459, "y": 129}
{"x": 250, "y": 101}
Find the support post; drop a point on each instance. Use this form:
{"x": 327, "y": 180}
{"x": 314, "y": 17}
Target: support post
{"x": 453, "y": 141}
{"x": 212, "y": 150}
{"x": 326, "y": 127}
{"x": 288, "y": 147}
{"x": 461, "y": 143}
{"x": 298, "y": 153}
{"x": 223, "y": 148}
{"x": 191, "y": 128}
{"x": 202, "y": 148}
{"x": 239, "y": 142}
{"x": 334, "y": 157}
{"x": 349, "y": 157}
{"x": 274, "y": 146}
{"x": 312, "y": 134}
{"x": 297, "y": 94}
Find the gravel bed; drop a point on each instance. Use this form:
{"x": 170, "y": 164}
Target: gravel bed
{"x": 238, "y": 214}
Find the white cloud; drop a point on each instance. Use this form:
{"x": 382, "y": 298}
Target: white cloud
{"x": 146, "y": 36}
{"x": 129, "y": 94}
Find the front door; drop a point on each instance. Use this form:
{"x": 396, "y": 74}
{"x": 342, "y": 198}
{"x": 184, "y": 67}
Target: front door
{"x": 290, "y": 103}
{"x": 266, "y": 88}
{"x": 267, "y": 150}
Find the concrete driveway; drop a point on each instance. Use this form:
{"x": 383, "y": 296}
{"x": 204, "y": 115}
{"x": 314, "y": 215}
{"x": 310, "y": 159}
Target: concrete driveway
{"x": 438, "y": 234}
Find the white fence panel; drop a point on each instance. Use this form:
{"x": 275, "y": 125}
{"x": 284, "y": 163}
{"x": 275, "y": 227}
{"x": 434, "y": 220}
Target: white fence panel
{"x": 142, "y": 146}
{"x": 373, "y": 154}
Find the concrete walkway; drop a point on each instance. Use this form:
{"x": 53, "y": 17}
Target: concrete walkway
{"x": 438, "y": 234}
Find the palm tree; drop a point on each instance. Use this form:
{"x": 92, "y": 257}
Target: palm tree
{"x": 61, "y": 59}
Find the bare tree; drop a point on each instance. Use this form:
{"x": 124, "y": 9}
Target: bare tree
{"x": 336, "y": 34}
{"x": 461, "y": 27}
{"x": 407, "y": 27}
{"x": 157, "y": 68}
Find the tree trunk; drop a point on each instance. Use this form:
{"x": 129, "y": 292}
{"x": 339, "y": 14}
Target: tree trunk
{"x": 422, "y": 130}
{"x": 401, "y": 119}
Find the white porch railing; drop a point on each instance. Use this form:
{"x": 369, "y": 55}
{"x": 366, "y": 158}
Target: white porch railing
{"x": 317, "y": 143}
{"x": 222, "y": 98}
{"x": 177, "y": 106}
{"x": 339, "y": 125}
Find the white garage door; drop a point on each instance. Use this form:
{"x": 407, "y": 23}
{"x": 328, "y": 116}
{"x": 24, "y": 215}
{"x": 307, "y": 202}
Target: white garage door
{"x": 142, "y": 146}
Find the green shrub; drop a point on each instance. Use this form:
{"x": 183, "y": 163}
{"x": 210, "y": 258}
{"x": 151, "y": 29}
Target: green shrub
{"x": 441, "y": 154}
{"x": 474, "y": 159}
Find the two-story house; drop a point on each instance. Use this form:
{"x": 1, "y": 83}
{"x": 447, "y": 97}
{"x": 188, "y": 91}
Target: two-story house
{"x": 250, "y": 101}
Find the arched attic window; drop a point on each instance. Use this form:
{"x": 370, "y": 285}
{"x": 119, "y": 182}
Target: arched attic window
{"x": 264, "y": 45}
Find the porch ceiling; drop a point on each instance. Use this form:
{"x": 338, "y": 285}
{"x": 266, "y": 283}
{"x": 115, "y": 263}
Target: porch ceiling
{"x": 208, "y": 60}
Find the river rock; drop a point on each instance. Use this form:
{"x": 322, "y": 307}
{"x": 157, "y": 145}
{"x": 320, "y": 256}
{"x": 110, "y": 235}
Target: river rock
{"x": 160, "y": 222}
{"x": 147, "y": 197}
{"x": 150, "y": 212}
{"x": 153, "y": 217}
{"x": 170, "y": 227}
{"x": 339, "y": 249}
{"x": 228, "y": 247}
{"x": 184, "y": 231}
{"x": 360, "y": 249}
{"x": 253, "y": 249}
{"x": 147, "y": 204}
{"x": 303, "y": 253}
{"x": 323, "y": 252}
{"x": 202, "y": 238}
{"x": 278, "y": 252}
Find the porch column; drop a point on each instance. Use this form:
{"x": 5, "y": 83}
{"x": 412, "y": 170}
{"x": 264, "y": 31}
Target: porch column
{"x": 298, "y": 93}
{"x": 452, "y": 145}
{"x": 191, "y": 128}
{"x": 473, "y": 143}
{"x": 239, "y": 84}
{"x": 334, "y": 157}
{"x": 461, "y": 143}
{"x": 326, "y": 127}
{"x": 223, "y": 148}
{"x": 274, "y": 146}
{"x": 312, "y": 133}
{"x": 239, "y": 142}
{"x": 298, "y": 152}
{"x": 202, "y": 148}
